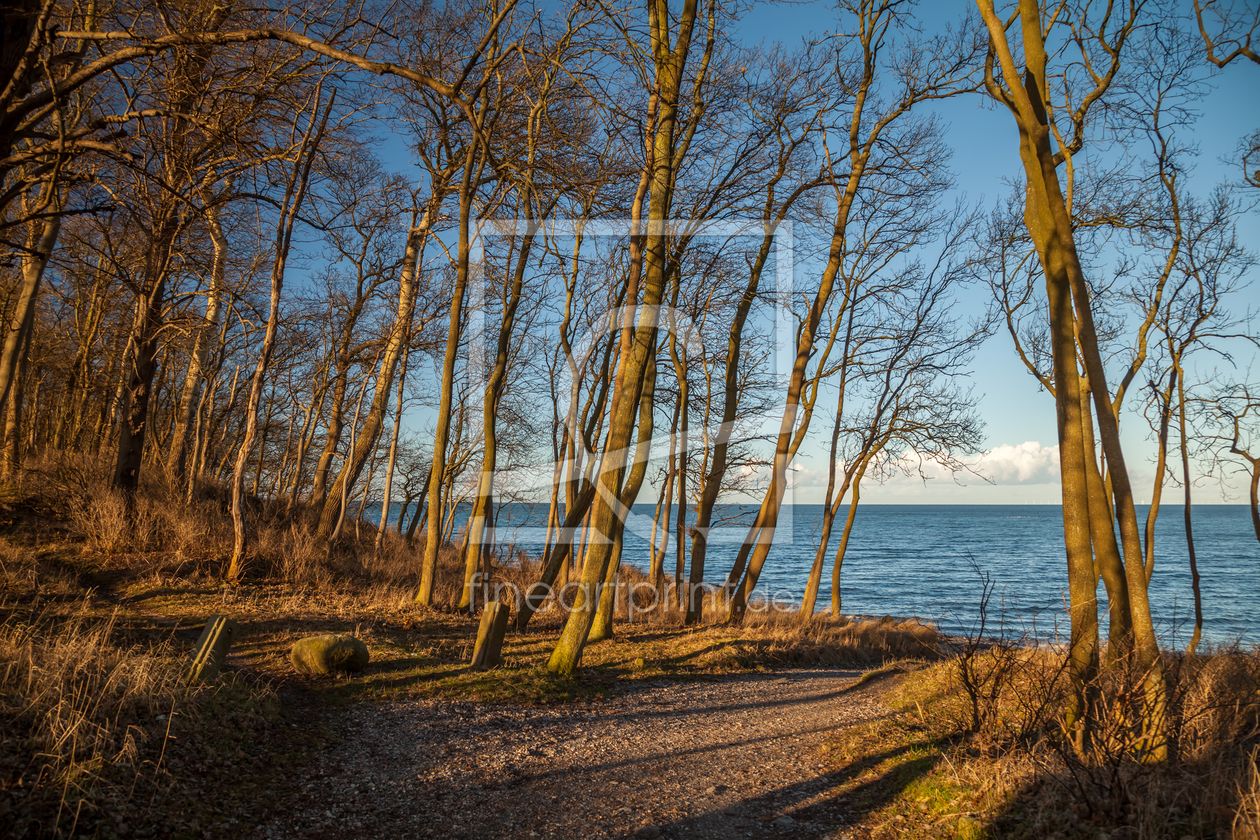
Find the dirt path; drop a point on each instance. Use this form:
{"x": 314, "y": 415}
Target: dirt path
{"x": 737, "y": 757}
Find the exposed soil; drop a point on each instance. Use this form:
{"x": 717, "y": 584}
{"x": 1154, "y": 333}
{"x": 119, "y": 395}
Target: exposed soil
{"x": 739, "y": 756}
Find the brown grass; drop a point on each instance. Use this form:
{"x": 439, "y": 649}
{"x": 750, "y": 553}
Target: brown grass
{"x": 1016, "y": 777}
{"x": 87, "y": 718}
{"x": 977, "y": 749}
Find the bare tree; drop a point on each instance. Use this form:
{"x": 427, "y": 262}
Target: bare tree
{"x": 295, "y": 193}
{"x": 1100, "y": 36}
{"x": 879, "y": 121}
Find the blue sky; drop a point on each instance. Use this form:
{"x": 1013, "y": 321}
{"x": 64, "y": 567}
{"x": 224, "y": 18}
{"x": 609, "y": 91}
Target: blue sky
{"x": 1019, "y": 416}
{"x": 1020, "y": 425}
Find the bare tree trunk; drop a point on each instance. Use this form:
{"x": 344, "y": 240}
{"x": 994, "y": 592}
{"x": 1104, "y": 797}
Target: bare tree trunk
{"x": 262, "y": 443}
{"x": 1103, "y": 537}
{"x": 428, "y": 569}
{"x": 637, "y": 344}
{"x": 665, "y": 512}
{"x": 481, "y": 521}
{"x": 418, "y": 516}
{"x": 22, "y": 319}
{"x": 190, "y": 396}
{"x": 11, "y": 442}
{"x": 1161, "y": 468}
{"x": 305, "y": 436}
{"x": 692, "y": 593}
{"x": 1254, "y": 497}
{"x": 1050, "y": 226}
{"x": 1185, "y": 483}
{"x": 343, "y": 503}
{"x": 393, "y": 456}
{"x": 602, "y": 624}
{"x": 831, "y": 501}
{"x": 336, "y": 423}
{"x": 390, "y": 356}
{"x": 712, "y": 482}
{"x": 836, "y": 601}
{"x": 138, "y": 376}
{"x": 294, "y": 194}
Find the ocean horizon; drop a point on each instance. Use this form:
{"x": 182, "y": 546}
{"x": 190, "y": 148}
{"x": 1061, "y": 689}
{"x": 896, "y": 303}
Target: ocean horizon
{"x": 929, "y": 561}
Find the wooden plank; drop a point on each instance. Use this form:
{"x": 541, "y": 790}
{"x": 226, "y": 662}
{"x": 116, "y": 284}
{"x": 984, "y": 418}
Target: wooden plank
{"x": 489, "y": 648}
{"x": 212, "y": 648}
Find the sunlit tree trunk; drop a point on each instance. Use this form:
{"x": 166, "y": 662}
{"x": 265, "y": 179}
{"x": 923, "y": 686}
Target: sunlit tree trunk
{"x": 441, "y": 434}
{"x": 1050, "y": 226}
{"x": 638, "y": 340}
{"x": 21, "y": 321}
{"x": 190, "y": 396}
{"x": 602, "y": 626}
{"x": 1103, "y": 538}
{"x": 391, "y": 354}
{"x": 387, "y": 491}
{"x": 289, "y": 209}
{"x": 480, "y": 523}
{"x": 837, "y": 603}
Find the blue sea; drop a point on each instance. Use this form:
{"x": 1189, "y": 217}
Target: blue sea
{"x": 929, "y": 561}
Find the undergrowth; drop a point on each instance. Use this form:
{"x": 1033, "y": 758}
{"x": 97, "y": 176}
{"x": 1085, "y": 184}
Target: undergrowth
{"x": 997, "y": 759}
{"x": 94, "y": 728}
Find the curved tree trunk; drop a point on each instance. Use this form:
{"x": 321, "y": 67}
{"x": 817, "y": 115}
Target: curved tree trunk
{"x": 649, "y": 254}
{"x": 190, "y": 395}
{"x": 836, "y": 602}
{"x": 393, "y": 457}
{"x": 22, "y": 318}
{"x": 289, "y": 210}
{"x": 391, "y": 354}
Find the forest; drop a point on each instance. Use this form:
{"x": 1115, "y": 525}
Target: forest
{"x": 304, "y": 303}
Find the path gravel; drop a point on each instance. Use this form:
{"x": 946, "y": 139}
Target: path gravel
{"x": 737, "y": 757}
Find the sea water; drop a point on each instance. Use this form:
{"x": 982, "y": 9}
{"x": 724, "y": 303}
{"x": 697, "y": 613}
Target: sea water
{"x": 931, "y": 561}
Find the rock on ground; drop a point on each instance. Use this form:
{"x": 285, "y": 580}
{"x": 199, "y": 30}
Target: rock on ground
{"x": 326, "y": 654}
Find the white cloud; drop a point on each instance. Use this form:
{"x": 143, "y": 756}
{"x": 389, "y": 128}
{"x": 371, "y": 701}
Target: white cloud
{"x": 1025, "y": 463}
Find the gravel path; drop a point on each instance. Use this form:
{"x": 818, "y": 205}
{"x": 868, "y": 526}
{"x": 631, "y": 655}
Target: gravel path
{"x": 737, "y": 757}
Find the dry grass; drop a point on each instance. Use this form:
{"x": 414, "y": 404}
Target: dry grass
{"x": 1246, "y": 825}
{"x": 1015, "y": 776}
{"x": 87, "y": 719}
{"x": 80, "y": 708}
{"x": 978, "y": 748}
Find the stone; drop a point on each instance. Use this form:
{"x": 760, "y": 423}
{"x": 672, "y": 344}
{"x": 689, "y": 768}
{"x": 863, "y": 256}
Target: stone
{"x": 785, "y": 822}
{"x": 322, "y": 655}
{"x": 212, "y": 648}
{"x": 489, "y": 649}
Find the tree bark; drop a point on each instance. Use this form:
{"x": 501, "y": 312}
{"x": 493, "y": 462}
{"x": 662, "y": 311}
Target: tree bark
{"x": 366, "y": 438}
{"x": 289, "y": 209}
{"x": 22, "y": 319}
{"x": 638, "y": 342}
{"x": 393, "y": 457}
{"x": 190, "y": 396}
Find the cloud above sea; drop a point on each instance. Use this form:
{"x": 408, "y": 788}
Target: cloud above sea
{"x": 1024, "y": 463}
